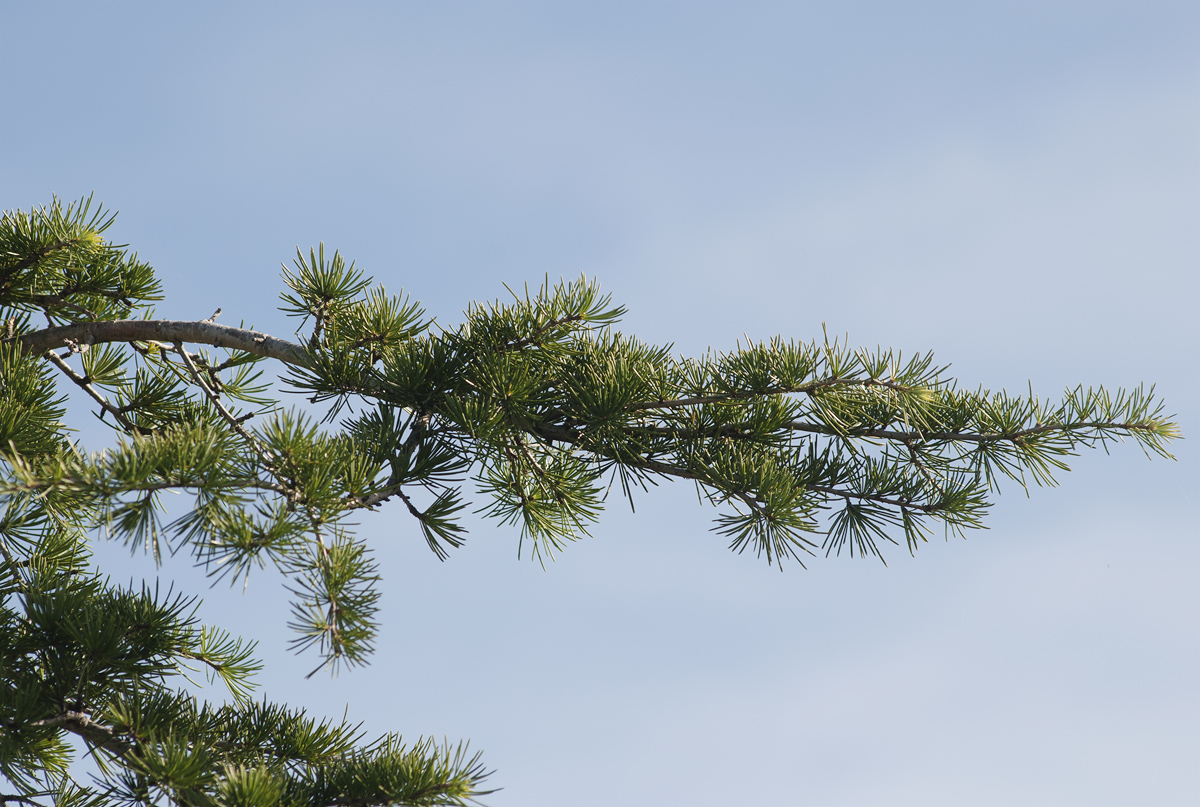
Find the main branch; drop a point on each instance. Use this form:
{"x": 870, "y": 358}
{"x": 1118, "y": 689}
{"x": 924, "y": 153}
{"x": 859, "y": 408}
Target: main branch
{"x": 162, "y": 330}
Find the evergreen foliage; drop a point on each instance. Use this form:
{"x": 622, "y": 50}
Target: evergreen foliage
{"x": 537, "y": 402}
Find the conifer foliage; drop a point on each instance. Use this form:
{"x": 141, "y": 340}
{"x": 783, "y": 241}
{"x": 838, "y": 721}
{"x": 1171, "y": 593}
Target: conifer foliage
{"x": 537, "y": 406}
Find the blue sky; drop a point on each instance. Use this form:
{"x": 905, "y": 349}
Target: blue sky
{"x": 1015, "y": 186}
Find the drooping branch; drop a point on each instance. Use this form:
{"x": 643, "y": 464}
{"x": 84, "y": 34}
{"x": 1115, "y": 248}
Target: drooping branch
{"x": 234, "y": 422}
{"x": 168, "y": 331}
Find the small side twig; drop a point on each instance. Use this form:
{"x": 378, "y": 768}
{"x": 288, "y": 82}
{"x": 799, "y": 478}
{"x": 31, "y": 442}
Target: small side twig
{"x": 88, "y": 387}
{"x": 49, "y": 301}
{"x": 915, "y": 455}
{"x": 235, "y": 422}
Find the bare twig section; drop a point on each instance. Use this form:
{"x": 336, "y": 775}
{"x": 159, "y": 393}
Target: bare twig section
{"x": 169, "y": 331}
{"x": 88, "y": 387}
{"x": 81, "y": 723}
{"x": 560, "y": 434}
{"x": 379, "y": 497}
{"x": 412, "y": 508}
